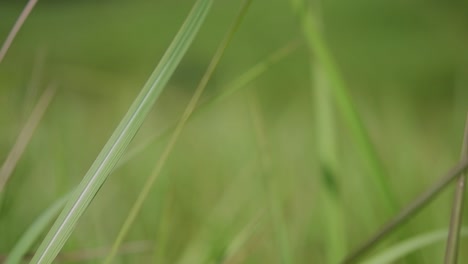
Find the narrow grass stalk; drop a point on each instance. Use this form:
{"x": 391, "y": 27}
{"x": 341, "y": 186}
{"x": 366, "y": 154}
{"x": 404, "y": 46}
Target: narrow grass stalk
{"x": 236, "y": 85}
{"x": 451, "y": 253}
{"x": 404, "y": 248}
{"x": 16, "y": 27}
{"x": 407, "y": 212}
{"x": 272, "y": 200}
{"x": 123, "y": 134}
{"x": 26, "y": 134}
{"x": 177, "y": 131}
{"x": 238, "y": 243}
{"x": 34, "y": 231}
{"x": 333, "y": 214}
{"x": 199, "y": 248}
{"x": 346, "y": 107}
{"x": 37, "y": 75}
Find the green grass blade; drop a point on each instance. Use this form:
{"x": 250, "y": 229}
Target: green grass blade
{"x": 451, "y": 253}
{"x": 34, "y": 231}
{"x": 122, "y": 136}
{"x": 242, "y": 238}
{"x": 333, "y": 214}
{"x": 396, "y": 252}
{"x": 177, "y": 131}
{"x": 346, "y": 107}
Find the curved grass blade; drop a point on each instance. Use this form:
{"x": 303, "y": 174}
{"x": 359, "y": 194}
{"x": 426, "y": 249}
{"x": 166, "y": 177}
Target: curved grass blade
{"x": 16, "y": 27}
{"x": 396, "y": 252}
{"x": 177, "y": 131}
{"x": 451, "y": 253}
{"x": 407, "y": 212}
{"x": 123, "y": 134}
{"x": 35, "y": 230}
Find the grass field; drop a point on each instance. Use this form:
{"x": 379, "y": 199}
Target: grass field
{"x": 321, "y": 121}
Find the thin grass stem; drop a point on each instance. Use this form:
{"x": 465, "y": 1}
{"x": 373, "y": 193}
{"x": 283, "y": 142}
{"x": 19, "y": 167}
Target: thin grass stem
{"x": 26, "y": 134}
{"x": 16, "y": 28}
{"x": 451, "y": 252}
{"x": 177, "y": 131}
{"x": 234, "y": 86}
{"x": 266, "y": 163}
{"x": 407, "y": 212}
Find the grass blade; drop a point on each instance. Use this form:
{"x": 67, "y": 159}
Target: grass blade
{"x": 333, "y": 214}
{"x": 238, "y": 243}
{"x": 346, "y": 107}
{"x": 122, "y": 136}
{"x": 266, "y": 171}
{"x": 34, "y": 231}
{"x": 407, "y": 212}
{"x": 451, "y": 253}
{"x": 239, "y": 83}
{"x": 16, "y": 27}
{"x": 396, "y": 252}
{"x": 25, "y": 135}
{"x": 177, "y": 131}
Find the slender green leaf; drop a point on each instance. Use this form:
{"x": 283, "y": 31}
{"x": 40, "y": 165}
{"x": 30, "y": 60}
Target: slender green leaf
{"x": 346, "y": 106}
{"x": 402, "y": 249}
{"x": 123, "y": 134}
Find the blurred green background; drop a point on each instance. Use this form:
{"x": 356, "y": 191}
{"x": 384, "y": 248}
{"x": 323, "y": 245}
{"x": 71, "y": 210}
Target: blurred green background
{"x": 405, "y": 64}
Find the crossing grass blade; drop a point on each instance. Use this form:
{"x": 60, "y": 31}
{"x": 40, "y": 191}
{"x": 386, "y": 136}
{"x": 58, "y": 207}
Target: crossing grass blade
{"x": 123, "y": 134}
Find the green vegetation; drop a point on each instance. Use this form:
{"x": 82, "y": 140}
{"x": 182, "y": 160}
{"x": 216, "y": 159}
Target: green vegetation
{"x": 269, "y": 132}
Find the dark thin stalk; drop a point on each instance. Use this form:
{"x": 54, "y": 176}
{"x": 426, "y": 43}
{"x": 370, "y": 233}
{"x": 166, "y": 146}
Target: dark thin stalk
{"x": 451, "y": 252}
{"x": 407, "y": 212}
